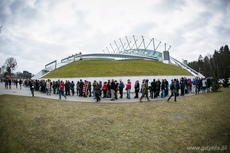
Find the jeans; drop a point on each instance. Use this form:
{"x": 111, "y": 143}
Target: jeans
{"x": 128, "y": 93}
{"x": 189, "y": 89}
{"x": 112, "y": 94}
{"x": 162, "y": 93}
{"x": 48, "y": 91}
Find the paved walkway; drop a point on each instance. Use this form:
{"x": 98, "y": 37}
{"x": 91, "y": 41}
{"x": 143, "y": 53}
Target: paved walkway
{"x": 25, "y": 91}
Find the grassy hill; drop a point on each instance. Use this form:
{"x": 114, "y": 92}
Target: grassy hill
{"x": 98, "y": 68}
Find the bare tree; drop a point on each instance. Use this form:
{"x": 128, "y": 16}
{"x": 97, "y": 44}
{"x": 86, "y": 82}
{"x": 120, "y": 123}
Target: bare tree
{"x": 10, "y": 64}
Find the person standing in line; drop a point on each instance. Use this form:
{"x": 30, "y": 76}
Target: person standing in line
{"x": 104, "y": 89}
{"x": 31, "y": 84}
{"x": 166, "y": 87}
{"x": 61, "y": 90}
{"x": 89, "y": 89}
{"x": 85, "y": 88}
{"x": 173, "y": 90}
{"x": 197, "y": 85}
{"x": 194, "y": 85}
{"x": 163, "y": 86}
{"x": 67, "y": 88}
{"x": 182, "y": 86}
{"x": 100, "y": 86}
{"x": 72, "y": 85}
{"x": 158, "y": 87}
{"x": 81, "y": 84}
{"x": 43, "y": 86}
{"x": 116, "y": 89}
{"x": 94, "y": 85}
{"x": 20, "y": 83}
{"x": 185, "y": 86}
{"x": 154, "y": 88}
{"x": 208, "y": 84}
{"x": 10, "y": 81}
{"x": 78, "y": 88}
{"x": 128, "y": 88}
{"x": 6, "y": 84}
{"x": 112, "y": 89}
{"x": 58, "y": 85}
{"x": 137, "y": 89}
{"x": 16, "y": 83}
{"x": 145, "y": 88}
{"x": 97, "y": 92}
{"x": 108, "y": 94}
{"x": 121, "y": 87}
{"x": 48, "y": 86}
{"x": 190, "y": 85}
{"x": 151, "y": 89}
{"x": 54, "y": 87}
{"x": 177, "y": 87}
{"x": 200, "y": 86}
{"x": 204, "y": 84}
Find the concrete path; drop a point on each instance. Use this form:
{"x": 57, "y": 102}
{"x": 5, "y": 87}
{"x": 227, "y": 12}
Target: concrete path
{"x": 25, "y": 91}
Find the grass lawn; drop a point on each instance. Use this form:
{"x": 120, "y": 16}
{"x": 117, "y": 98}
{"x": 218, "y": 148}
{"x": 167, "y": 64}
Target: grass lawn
{"x": 98, "y": 68}
{"x": 30, "y": 124}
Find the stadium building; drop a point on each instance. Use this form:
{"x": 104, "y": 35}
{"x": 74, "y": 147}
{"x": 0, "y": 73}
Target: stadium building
{"x": 124, "y": 49}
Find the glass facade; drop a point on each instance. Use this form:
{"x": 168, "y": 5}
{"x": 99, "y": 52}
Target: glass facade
{"x": 143, "y": 52}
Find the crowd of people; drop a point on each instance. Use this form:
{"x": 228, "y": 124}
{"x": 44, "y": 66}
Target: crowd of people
{"x": 10, "y": 82}
{"x": 114, "y": 89}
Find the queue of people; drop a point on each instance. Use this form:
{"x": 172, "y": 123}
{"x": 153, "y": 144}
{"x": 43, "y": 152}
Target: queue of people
{"x": 10, "y": 82}
{"x": 114, "y": 89}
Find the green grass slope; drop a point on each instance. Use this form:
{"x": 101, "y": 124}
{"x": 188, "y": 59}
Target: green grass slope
{"x": 99, "y": 68}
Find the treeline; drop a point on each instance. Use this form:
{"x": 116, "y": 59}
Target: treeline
{"x": 216, "y": 65}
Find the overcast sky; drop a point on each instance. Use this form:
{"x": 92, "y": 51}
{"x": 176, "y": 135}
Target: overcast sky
{"x": 36, "y": 32}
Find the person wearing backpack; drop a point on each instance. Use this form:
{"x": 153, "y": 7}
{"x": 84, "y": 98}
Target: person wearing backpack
{"x": 173, "y": 90}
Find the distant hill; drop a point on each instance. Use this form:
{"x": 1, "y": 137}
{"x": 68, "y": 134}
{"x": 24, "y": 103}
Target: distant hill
{"x": 105, "y": 68}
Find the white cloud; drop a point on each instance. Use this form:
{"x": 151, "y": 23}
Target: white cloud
{"x": 36, "y": 32}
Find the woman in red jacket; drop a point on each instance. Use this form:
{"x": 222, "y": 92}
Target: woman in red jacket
{"x": 104, "y": 89}
{"x": 128, "y": 88}
{"x": 61, "y": 90}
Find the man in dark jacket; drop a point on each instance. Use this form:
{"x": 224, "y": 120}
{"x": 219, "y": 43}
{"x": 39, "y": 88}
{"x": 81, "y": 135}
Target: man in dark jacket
{"x": 154, "y": 89}
{"x": 173, "y": 90}
{"x": 113, "y": 88}
{"x": 81, "y": 84}
{"x": 121, "y": 86}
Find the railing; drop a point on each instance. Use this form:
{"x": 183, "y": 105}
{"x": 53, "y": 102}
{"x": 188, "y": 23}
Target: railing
{"x": 195, "y": 73}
